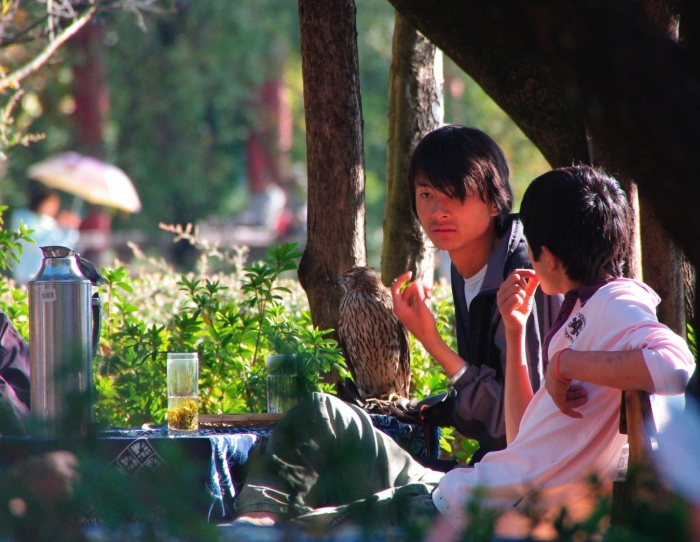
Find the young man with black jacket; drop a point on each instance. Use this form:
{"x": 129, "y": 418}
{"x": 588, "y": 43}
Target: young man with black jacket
{"x": 458, "y": 181}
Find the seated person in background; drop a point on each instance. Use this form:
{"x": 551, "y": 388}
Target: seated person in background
{"x": 458, "y": 183}
{"x": 51, "y": 227}
{"x": 14, "y": 379}
{"x": 325, "y": 453}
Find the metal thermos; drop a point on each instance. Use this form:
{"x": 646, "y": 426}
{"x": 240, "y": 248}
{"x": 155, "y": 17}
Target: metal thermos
{"x": 64, "y": 329}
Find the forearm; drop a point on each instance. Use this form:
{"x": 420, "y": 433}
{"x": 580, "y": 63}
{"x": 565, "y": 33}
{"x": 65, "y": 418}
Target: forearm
{"x": 625, "y": 370}
{"x": 518, "y": 390}
{"x": 448, "y": 359}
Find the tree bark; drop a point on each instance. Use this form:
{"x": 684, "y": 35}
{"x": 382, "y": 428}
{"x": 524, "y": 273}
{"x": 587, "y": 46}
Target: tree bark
{"x": 335, "y": 156}
{"x": 414, "y": 100}
{"x": 662, "y": 260}
{"x": 663, "y": 270}
{"x": 90, "y": 89}
{"x": 490, "y": 42}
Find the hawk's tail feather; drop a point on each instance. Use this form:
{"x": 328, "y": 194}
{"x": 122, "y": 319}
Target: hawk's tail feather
{"x": 346, "y": 389}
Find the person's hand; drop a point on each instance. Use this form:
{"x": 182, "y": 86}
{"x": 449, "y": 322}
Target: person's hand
{"x": 516, "y": 296}
{"x": 576, "y": 396}
{"x": 410, "y": 306}
{"x": 566, "y": 396}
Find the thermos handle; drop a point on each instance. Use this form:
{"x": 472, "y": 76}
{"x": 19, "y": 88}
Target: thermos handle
{"x": 96, "y": 304}
{"x": 89, "y": 271}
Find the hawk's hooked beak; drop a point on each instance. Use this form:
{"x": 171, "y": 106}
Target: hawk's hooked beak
{"x": 339, "y": 282}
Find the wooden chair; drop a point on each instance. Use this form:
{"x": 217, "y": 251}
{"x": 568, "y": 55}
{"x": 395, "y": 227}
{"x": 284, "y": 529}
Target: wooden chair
{"x": 637, "y": 422}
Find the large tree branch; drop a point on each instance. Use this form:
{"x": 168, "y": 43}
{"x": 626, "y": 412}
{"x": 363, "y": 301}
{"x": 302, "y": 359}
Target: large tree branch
{"x": 498, "y": 52}
{"x": 641, "y": 92}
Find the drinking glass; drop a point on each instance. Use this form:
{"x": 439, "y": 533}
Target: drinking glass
{"x": 183, "y": 393}
{"x": 281, "y": 382}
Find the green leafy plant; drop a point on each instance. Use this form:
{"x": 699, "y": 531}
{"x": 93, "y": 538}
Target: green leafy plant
{"x": 13, "y": 301}
{"x": 232, "y": 321}
{"x": 10, "y": 134}
{"x": 692, "y": 341}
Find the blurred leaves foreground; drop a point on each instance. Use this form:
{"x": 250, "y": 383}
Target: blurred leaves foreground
{"x": 233, "y": 320}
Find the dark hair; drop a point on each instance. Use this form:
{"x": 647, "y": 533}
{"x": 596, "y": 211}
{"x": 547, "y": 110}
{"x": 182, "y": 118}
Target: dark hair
{"x": 37, "y": 193}
{"x": 582, "y": 216}
{"x": 461, "y": 162}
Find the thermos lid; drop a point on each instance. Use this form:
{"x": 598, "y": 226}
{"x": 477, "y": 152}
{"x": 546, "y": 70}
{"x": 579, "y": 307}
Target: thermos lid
{"x": 87, "y": 268}
{"x": 57, "y": 252}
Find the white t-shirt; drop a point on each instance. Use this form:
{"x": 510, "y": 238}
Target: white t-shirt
{"x": 472, "y": 285}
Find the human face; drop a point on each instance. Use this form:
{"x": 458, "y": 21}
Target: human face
{"x": 453, "y": 225}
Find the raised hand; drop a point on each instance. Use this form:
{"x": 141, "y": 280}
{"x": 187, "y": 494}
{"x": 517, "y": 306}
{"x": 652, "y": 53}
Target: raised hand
{"x": 410, "y": 306}
{"x": 516, "y": 296}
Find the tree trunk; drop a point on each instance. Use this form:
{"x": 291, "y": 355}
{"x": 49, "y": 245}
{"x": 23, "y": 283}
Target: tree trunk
{"x": 414, "y": 100}
{"x": 90, "y": 89}
{"x": 662, "y": 260}
{"x": 663, "y": 269}
{"x": 335, "y": 156}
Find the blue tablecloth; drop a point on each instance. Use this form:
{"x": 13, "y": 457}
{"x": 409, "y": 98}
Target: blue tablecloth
{"x": 230, "y": 448}
{"x": 220, "y": 454}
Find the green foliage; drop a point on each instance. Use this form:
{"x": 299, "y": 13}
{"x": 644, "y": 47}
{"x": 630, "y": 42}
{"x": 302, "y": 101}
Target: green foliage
{"x": 184, "y": 98}
{"x": 10, "y": 241}
{"x": 13, "y": 301}
{"x": 233, "y": 322}
{"x": 10, "y": 134}
{"x": 48, "y": 496}
{"x": 467, "y": 447}
{"x": 692, "y": 341}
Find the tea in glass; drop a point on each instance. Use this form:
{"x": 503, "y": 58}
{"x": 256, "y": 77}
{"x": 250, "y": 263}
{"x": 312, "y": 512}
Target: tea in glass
{"x": 183, "y": 393}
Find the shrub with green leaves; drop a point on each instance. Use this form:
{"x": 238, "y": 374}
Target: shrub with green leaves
{"x": 13, "y": 301}
{"x": 233, "y": 321}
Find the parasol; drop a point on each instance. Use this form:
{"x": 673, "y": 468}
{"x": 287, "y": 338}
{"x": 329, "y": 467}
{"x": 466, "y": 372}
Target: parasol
{"x": 88, "y": 178}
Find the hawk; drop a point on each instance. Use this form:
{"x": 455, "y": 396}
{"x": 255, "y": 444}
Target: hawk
{"x": 373, "y": 340}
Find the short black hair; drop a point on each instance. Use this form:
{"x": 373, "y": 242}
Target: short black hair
{"x": 583, "y": 217}
{"x": 460, "y": 162}
{"x": 37, "y": 193}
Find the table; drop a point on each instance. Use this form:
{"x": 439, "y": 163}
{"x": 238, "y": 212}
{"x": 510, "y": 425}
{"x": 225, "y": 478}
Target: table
{"x": 218, "y": 456}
